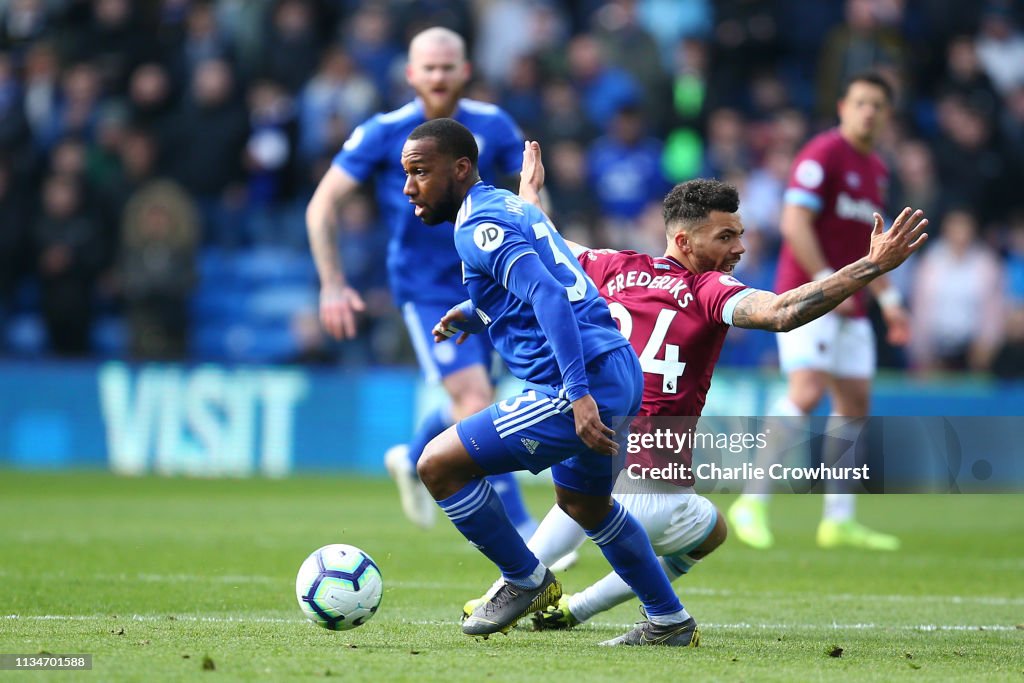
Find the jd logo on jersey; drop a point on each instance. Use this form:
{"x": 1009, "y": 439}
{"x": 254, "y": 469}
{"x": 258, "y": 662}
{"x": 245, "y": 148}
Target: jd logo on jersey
{"x": 488, "y": 236}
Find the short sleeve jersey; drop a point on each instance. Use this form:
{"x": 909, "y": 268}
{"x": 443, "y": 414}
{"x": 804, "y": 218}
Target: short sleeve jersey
{"x": 676, "y": 321}
{"x": 844, "y": 187}
{"x": 493, "y": 230}
{"x": 422, "y": 264}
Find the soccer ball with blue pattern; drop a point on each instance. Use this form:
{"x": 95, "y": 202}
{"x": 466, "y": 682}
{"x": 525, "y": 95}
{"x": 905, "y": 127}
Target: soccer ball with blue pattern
{"x": 339, "y": 587}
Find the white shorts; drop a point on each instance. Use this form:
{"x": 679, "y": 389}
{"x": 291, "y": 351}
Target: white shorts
{"x": 840, "y": 346}
{"x": 675, "y": 517}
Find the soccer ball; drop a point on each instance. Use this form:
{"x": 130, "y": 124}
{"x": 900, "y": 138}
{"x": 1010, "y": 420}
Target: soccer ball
{"x": 339, "y": 587}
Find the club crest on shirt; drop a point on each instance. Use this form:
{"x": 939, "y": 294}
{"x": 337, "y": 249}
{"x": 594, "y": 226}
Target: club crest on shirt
{"x": 488, "y": 236}
{"x": 809, "y": 173}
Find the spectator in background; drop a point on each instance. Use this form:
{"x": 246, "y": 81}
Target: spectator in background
{"x": 369, "y": 39}
{"x": 1001, "y": 48}
{"x": 670, "y": 21}
{"x": 958, "y": 300}
{"x": 725, "y": 146}
{"x": 862, "y": 43}
{"x": 71, "y": 253}
{"x": 498, "y": 49}
{"x": 916, "y": 181}
{"x": 624, "y": 172}
{"x": 151, "y": 100}
{"x": 628, "y": 45}
{"x": 291, "y": 46}
{"x": 974, "y": 169}
{"x": 202, "y": 40}
{"x": 575, "y": 212}
{"x": 745, "y": 40}
{"x": 333, "y": 101}
{"x": 602, "y": 88}
{"x": 14, "y": 130}
{"x": 41, "y": 88}
{"x": 157, "y": 269}
{"x": 271, "y": 161}
{"x": 22, "y": 22}
{"x": 243, "y": 23}
{"x": 15, "y": 236}
{"x": 521, "y": 95}
{"x": 77, "y": 106}
{"x": 762, "y": 201}
{"x": 1013, "y": 122}
{"x": 114, "y": 42}
{"x": 204, "y": 152}
{"x": 138, "y": 153}
{"x": 562, "y": 117}
{"x": 966, "y": 78}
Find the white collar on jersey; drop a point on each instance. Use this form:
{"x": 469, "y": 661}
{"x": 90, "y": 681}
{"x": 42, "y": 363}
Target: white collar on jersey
{"x": 669, "y": 258}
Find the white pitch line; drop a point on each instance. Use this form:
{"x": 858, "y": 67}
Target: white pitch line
{"x": 145, "y": 577}
{"x": 739, "y": 626}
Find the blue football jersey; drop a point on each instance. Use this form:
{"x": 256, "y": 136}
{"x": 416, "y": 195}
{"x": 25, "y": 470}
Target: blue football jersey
{"x": 422, "y": 264}
{"x": 494, "y": 229}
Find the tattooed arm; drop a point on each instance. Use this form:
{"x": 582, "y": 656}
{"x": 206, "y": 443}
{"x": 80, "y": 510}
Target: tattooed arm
{"x": 784, "y": 312}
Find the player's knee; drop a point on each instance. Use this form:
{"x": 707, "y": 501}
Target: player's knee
{"x": 805, "y": 396}
{"x": 430, "y": 467}
{"x": 716, "y": 538}
{"x": 586, "y": 511}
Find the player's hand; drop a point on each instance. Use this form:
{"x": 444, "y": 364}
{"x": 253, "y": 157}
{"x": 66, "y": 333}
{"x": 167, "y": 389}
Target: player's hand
{"x": 338, "y": 307}
{"x": 897, "y": 323}
{"x": 894, "y": 246}
{"x": 531, "y": 177}
{"x": 594, "y": 433}
{"x": 449, "y": 326}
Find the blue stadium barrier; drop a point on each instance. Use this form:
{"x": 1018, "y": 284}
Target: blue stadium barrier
{"x": 245, "y": 420}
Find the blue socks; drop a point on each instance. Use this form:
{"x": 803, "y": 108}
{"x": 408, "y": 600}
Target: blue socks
{"x": 507, "y": 489}
{"x": 628, "y": 549}
{"x": 505, "y": 485}
{"x": 478, "y": 514}
{"x": 435, "y": 422}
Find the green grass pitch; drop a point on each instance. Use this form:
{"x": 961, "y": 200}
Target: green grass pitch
{"x": 176, "y": 579}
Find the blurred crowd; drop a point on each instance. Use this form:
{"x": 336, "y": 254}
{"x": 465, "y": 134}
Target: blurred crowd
{"x": 156, "y": 156}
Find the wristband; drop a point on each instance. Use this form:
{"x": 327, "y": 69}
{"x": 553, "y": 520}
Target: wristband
{"x": 889, "y": 297}
{"x": 823, "y": 273}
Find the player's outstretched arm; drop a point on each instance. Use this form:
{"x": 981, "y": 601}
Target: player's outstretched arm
{"x": 339, "y": 303}
{"x": 784, "y": 312}
{"x": 531, "y": 178}
{"x": 531, "y": 185}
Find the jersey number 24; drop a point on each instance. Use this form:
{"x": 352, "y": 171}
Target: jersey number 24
{"x": 670, "y": 368}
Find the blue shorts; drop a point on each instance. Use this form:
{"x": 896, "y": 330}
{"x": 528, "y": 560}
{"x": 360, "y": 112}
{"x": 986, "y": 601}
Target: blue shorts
{"x": 536, "y": 429}
{"x": 437, "y": 361}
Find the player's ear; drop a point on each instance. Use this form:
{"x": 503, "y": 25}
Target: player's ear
{"x": 682, "y": 241}
{"x": 463, "y": 167}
